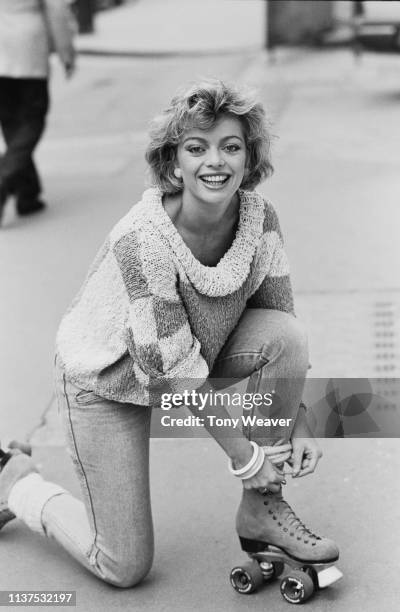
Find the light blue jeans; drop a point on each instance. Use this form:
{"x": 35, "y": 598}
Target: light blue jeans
{"x": 111, "y": 532}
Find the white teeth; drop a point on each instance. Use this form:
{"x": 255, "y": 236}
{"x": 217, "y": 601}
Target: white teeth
{"x": 214, "y": 178}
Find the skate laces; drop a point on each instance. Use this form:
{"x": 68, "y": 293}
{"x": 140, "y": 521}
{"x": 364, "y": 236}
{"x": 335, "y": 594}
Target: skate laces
{"x": 295, "y": 524}
{"x": 278, "y": 455}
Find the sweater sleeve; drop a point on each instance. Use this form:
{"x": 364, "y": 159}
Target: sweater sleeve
{"x": 158, "y": 335}
{"x": 275, "y": 290}
{"x": 62, "y": 28}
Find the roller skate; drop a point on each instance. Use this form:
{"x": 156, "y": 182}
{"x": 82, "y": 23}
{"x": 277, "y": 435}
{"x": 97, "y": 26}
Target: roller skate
{"x": 273, "y": 536}
{"x": 20, "y": 466}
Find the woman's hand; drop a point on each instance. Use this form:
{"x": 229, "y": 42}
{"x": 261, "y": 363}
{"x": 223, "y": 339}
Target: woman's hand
{"x": 269, "y": 477}
{"x": 305, "y": 451}
{"x": 305, "y": 455}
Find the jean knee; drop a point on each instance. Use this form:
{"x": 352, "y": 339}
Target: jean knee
{"x": 125, "y": 573}
{"x": 295, "y": 343}
{"x": 286, "y": 341}
{"x": 130, "y": 576}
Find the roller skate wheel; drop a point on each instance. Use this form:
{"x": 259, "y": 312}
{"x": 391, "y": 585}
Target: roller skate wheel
{"x": 246, "y": 578}
{"x": 314, "y": 576}
{"x": 297, "y": 587}
{"x": 278, "y": 569}
{"x": 22, "y": 446}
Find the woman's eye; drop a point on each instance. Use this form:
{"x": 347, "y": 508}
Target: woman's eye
{"x": 232, "y": 148}
{"x": 195, "y": 150}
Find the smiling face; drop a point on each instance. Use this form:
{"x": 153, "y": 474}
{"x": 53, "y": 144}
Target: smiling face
{"x": 212, "y": 162}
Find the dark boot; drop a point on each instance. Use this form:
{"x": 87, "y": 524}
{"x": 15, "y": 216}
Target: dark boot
{"x": 29, "y": 208}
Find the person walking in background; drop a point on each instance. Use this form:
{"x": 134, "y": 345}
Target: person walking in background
{"x": 30, "y": 30}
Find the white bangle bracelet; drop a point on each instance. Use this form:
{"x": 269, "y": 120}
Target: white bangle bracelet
{"x": 248, "y": 465}
{"x": 257, "y": 466}
{"x": 253, "y": 466}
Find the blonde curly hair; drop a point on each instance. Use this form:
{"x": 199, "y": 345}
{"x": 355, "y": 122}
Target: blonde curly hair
{"x": 200, "y": 106}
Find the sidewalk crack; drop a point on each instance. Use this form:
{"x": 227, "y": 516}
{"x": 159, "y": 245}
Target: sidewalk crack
{"x": 43, "y": 422}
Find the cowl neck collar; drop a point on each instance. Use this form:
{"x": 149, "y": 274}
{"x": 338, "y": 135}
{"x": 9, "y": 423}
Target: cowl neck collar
{"x": 233, "y": 268}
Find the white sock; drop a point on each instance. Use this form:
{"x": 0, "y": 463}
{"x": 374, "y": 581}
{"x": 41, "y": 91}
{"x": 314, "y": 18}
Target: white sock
{"x": 28, "y": 497}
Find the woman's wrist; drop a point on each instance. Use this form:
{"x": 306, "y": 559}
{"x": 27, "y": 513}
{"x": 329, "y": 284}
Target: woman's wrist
{"x": 301, "y": 428}
{"x": 241, "y": 454}
{"x": 251, "y": 468}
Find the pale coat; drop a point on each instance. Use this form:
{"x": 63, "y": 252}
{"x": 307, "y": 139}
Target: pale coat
{"x": 29, "y": 31}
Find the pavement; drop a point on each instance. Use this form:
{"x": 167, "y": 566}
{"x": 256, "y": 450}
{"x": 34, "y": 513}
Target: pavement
{"x": 174, "y": 27}
{"x": 335, "y": 189}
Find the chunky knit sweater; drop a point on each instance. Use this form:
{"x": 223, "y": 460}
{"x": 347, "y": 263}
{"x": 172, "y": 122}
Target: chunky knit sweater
{"x": 150, "y": 314}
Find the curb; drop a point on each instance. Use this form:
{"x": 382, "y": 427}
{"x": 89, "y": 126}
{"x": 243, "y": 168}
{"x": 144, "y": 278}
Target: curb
{"x": 102, "y": 52}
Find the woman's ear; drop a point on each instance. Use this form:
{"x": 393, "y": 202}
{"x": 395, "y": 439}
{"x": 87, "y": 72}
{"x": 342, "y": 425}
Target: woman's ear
{"x": 178, "y": 173}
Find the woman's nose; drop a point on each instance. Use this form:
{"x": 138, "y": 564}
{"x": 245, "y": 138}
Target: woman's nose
{"x": 214, "y": 157}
